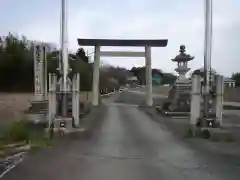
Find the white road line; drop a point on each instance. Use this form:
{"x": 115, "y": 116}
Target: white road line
{"x": 11, "y": 168}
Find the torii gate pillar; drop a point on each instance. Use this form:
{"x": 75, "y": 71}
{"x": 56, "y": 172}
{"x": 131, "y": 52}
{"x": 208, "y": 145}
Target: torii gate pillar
{"x": 148, "y": 75}
{"x": 95, "y": 85}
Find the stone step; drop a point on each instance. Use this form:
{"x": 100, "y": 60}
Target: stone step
{"x": 38, "y": 106}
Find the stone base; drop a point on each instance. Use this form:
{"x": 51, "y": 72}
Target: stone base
{"x": 61, "y": 123}
{"x": 60, "y": 132}
{"x": 37, "y": 106}
{"x": 67, "y": 131}
{"x": 63, "y": 126}
{"x": 37, "y": 117}
{"x": 211, "y": 121}
{"x": 37, "y": 112}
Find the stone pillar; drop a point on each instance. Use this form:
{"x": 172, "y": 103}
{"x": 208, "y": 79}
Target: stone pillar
{"x": 52, "y": 104}
{"x": 195, "y": 100}
{"x": 39, "y": 72}
{"x": 95, "y": 86}
{"x": 219, "y": 98}
{"x": 75, "y": 98}
{"x": 148, "y": 71}
{"x": 45, "y": 50}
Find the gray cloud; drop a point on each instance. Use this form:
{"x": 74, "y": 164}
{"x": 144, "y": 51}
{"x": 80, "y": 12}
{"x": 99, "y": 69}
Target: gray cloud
{"x": 179, "y": 21}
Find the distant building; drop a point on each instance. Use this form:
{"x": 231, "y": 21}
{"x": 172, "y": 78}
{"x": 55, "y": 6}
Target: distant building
{"x": 157, "y": 77}
{"x": 132, "y": 80}
{"x": 228, "y": 82}
{"x": 157, "y": 80}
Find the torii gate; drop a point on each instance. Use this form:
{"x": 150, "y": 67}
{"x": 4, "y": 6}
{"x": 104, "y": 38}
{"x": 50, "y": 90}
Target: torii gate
{"x": 97, "y": 43}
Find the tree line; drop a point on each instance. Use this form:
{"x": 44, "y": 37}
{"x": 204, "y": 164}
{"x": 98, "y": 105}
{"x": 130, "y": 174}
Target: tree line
{"x": 17, "y": 67}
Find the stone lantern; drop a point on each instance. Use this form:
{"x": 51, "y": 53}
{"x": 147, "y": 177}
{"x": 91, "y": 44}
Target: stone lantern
{"x": 178, "y": 100}
{"x": 182, "y": 63}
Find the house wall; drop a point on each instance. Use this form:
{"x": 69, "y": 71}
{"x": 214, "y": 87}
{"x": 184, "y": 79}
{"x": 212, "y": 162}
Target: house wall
{"x": 232, "y": 94}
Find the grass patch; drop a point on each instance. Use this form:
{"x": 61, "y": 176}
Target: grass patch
{"x": 188, "y": 132}
{"x": 21, "y": 131}
{"x": 191, "y": 131}
{"x": 40, "y": 140}
{"x": 195, "y": 132}
{"x": 15, "y": 131}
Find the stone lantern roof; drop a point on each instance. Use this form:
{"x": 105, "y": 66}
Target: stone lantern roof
{"x": 183, "y": 57}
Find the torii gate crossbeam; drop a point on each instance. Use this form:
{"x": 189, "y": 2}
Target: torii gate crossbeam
{"x": 148, "y": 43}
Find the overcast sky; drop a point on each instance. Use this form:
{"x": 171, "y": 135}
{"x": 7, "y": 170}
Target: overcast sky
{"x": 179, "y": 21}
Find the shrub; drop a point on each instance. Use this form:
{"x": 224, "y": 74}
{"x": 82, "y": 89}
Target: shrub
{"x": 16, "y": 131}
{"x": 191, "y": 132}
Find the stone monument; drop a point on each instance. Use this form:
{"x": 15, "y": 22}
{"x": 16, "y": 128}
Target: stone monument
{"x": 179, "y": 95}
{"x": 38, "y": 109}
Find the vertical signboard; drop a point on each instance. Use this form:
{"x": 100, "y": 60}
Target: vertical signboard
{"x": 38, "y": 72}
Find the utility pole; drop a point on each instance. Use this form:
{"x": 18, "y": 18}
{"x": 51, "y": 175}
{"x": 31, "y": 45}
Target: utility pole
{"x": 207, "y": 57}
{"x": 64, "y": 56}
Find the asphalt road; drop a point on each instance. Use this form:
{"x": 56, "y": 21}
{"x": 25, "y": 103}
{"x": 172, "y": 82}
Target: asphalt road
{"x": 127, "y": 145}
{"x": 134, "y": 97}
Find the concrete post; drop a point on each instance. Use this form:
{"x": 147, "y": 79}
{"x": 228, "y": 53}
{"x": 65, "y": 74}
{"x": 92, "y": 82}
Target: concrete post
{"x": 95, "y": 85}
{"x": 195, "y": 100}
{"x": 50, "y": 103}
{"x": 149, "y": 101}
{"x": 52, "y": 106}
{"x": 219, "y": 98}
{"x": 38, "y": 72}
{"x": 45, "y": 50}
{"x": 75, "y": 98}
